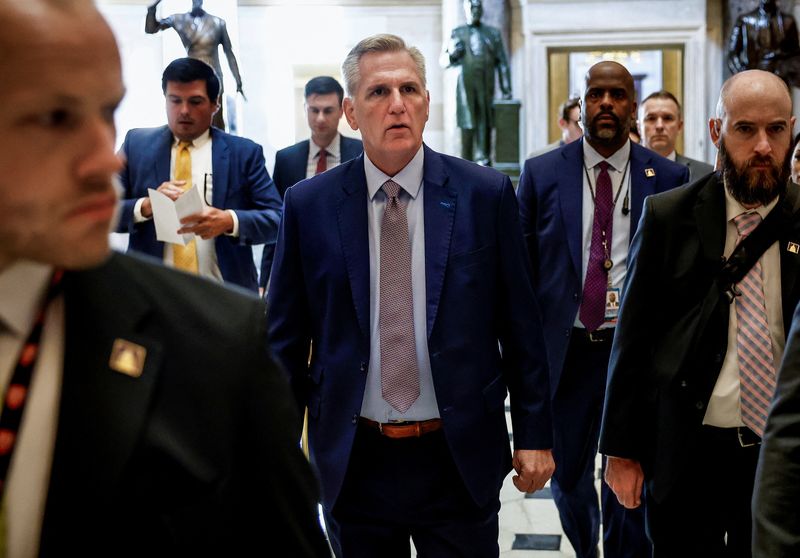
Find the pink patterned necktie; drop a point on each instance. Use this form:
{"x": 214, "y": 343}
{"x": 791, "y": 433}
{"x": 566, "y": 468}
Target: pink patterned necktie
{"x": 399, "y": 372}
{"x": 593, "y": 305}
{"x": 754, "y": 344}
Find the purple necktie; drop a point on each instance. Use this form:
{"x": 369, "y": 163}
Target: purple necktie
{"x": 593, "y": 306}
{"x": 399, "y": 372}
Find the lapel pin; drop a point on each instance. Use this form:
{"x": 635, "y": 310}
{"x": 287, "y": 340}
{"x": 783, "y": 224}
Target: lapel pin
{"x": 649, "y": 172}
{"x": 794, "y": 248}
{"x": 127, "y": 358}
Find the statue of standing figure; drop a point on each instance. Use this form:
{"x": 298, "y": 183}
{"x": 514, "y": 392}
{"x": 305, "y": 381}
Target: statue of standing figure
{"x": 766, "y": 39}
{"x": 201, "y": 34}
{"x": 479, "y": 50}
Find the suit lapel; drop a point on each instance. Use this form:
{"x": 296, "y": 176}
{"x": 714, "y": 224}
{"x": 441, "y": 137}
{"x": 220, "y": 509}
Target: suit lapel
{"x": 570, "y": 191}
{"x": 642, "y": 185}
{"x": 354, "y": 237}
{"x": 790, "y": 261}
{"x": 220, "y": 166}
{"x": 102, "y": 410}
{"x": 162, "y": 154}
{"x": 439, "y": 210}
{"x": 709, "y": 214}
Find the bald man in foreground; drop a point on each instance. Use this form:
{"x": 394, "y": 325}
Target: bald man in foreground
{"x": 699, "y": 337}
{"x": 113, "y": 441}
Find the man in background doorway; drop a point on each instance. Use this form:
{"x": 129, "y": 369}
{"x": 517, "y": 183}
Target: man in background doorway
{"x": 569, "y": 117}
{"x": 326, "y": 149}
{"x": 660, "y": 121}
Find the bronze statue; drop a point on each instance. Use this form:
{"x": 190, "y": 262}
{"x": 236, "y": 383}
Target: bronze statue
{"x": 766, "y": 39}
{"x": 479, "y": 50}
{"x": 201, "y": 34}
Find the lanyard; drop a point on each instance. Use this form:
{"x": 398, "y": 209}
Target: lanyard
{"x": 16, "y": 394}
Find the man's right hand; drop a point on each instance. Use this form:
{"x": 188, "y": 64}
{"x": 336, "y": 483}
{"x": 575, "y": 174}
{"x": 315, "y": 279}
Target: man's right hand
{"x": 171, "y": 188}
{"x": 625, "y": 478}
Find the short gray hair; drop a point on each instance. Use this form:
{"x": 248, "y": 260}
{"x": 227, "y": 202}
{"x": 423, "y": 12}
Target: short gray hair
{"x": 378, "y": 43}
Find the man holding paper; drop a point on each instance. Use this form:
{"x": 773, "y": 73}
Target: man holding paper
{"x": 232, "y": 202}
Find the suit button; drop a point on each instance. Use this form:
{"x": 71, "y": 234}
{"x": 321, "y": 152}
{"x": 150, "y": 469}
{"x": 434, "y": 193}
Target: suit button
{"x": 355, "y": 419}
{"x": 363, "y": 366}
{"x": 699, "y": 405}
{"x": 575, "y": 297}
{"x": 683, "y": 383}
{"x": 718, "y": 358}
{"x": 566, "y": 332}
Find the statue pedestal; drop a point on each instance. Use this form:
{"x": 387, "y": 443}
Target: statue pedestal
{"x": 506, "y": 138}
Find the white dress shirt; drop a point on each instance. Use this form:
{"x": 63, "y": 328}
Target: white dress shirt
{"x": 374, "y": 407}
{"x": 724, "y": 407}
{"x": 202, "y": 179}
{"x": 22, "y": 288}
{"x": 333, "y": 157}
{"x": 621, "y": 227}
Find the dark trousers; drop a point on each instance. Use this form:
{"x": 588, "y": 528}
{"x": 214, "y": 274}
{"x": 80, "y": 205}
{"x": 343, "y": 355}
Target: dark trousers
{"x": 397, "y": 490}
{"x": 577, "y": 411}
{"x": 707, "y": 512}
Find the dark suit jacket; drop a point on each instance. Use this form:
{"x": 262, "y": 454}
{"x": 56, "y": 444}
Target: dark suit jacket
{"x": 198, "y": 455}
{"x": 291, "y": 164}
{"x": 241, "y": 183}
{"x": 776, "y": 518}
{"x": 663, "y": 363}
{"x": 551, "y": 207}
{"x": 697, "y": 169}
{"x": 478, "y": 293}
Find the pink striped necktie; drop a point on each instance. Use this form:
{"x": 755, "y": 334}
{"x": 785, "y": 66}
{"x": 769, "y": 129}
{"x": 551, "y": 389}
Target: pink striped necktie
{"x": 754, "y": 344}
{"x": 399, "y": 371}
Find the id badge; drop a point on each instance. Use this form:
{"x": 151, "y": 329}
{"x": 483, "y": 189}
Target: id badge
{"x": 612, "y": 305}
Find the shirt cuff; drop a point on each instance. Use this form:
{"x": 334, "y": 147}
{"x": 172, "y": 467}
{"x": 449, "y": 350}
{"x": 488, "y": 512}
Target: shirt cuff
{"x": 235, "y": 231}
{"x": 137, "y": 212}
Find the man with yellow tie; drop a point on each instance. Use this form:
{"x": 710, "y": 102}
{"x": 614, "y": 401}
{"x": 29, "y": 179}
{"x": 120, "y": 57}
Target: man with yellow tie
{"x": 242, "y": 205}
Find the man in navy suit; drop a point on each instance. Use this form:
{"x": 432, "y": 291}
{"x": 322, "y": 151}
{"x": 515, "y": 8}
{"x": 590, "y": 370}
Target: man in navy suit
{"x": 406, "y": 271}
{"x": 242, "y": 205}
{"x": 579, "y": 206}
{"x": 326, "y": 149}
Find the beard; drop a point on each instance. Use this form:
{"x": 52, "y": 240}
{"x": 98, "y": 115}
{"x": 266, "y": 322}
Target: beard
{"x": 607, "y": 135}
{"x": 751, "y": 187}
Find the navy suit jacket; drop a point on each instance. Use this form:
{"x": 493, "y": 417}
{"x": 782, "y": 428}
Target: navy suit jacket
{"x": 291, "y": 165}
{"x": 241, "y": 183}
{"x": 478, "y": 293}
{"x": 551, "y": 208}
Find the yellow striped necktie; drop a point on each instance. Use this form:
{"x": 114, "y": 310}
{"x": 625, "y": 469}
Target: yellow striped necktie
{"x": 185, "y": 257}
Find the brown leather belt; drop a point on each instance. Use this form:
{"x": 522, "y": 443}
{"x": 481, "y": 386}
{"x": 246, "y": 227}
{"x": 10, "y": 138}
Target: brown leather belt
{"x": 411, "y": 429}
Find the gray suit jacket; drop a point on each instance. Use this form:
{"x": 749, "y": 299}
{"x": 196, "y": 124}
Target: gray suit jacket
{"x": 697, "y": 169}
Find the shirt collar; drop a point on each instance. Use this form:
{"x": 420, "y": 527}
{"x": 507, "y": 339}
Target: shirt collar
{"x": 672, "y": 156}
{"x": 197, "y": 142}
{"x": 333, "y": 148}
{"x": 22, "y": 286}
{"x": 410, "y": 178}
{"x": 591, "y": 158}
{"x": 733, "y": 208}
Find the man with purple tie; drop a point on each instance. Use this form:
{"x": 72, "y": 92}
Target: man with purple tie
{"x": 579, "y": 206}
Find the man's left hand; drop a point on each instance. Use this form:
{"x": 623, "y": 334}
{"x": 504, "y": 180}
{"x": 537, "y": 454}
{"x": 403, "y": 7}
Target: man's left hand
{"x": 534, "y": 468}
{"x": 211, "y": 223}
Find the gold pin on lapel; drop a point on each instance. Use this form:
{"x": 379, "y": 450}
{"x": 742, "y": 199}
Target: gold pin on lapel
{"x": 794, "y": 248}
{"x": 127, "y": 358}
{"x": 649, "y": 172}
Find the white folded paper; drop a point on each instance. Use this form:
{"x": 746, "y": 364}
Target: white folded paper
{"x": 167, "y": 214}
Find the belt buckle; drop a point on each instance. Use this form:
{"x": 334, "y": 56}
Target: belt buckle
{"x": 592, "y": 338}
{"x": 741, "y": 441}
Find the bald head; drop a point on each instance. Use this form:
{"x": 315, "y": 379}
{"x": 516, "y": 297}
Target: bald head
{"x": 609, "y": 106}
{"x": 753, "y": 86}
